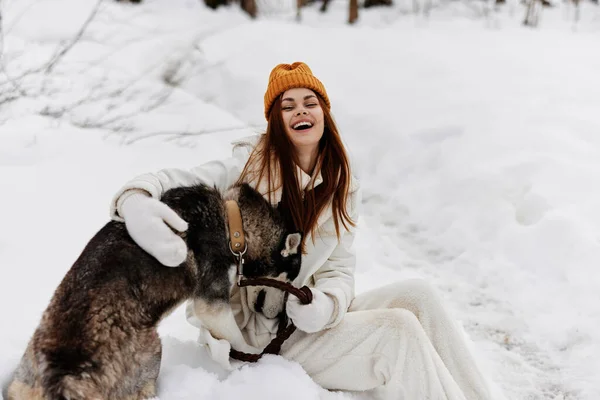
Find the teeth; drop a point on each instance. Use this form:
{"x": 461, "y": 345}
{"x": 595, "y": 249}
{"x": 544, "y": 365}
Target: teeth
{"x": 304, "y": 123}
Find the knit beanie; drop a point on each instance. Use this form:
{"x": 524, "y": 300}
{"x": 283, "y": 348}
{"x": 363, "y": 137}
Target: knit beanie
{"x": 297, "y": 75}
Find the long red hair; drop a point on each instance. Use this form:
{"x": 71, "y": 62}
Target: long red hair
{"x": 275, "y": 156}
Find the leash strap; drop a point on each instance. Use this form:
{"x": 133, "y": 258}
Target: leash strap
{"x": 303, "y": 294}
{"x": 238, "y": 247}
{"x": 274, "y": 347}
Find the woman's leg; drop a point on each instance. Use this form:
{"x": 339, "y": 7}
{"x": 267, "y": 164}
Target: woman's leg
{"x": 383, "y": 350}
{"x": 422, "y": 300}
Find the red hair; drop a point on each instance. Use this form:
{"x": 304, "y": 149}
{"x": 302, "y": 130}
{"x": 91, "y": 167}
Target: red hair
{"x": 275, "y": 156}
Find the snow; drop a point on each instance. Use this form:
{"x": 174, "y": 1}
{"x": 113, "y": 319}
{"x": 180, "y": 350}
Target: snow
{"x": 475, "y": 139}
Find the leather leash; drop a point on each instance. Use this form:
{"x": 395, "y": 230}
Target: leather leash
{"x": 238, "y": 247}
{"x": 274, "y": 347}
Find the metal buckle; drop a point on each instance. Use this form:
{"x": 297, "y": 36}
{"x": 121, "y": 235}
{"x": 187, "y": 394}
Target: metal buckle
{"x": 239, "y": 255}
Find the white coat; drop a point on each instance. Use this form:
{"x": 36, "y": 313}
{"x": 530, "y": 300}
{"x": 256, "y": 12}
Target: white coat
{"x": 328, "y": 264}
{"x": 396, "y": 342}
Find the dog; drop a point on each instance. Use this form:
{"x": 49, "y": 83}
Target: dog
{"x": 98, "y": 337}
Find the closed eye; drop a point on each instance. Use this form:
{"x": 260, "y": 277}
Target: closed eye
{"x": 290, "y": 108}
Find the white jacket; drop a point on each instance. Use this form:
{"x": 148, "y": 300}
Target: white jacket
{"x": 328, "y": 264}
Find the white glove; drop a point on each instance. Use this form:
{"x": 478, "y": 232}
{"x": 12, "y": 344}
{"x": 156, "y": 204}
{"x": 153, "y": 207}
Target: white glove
{"x": 146, "y": 220}
{"x": 311, "y": 317}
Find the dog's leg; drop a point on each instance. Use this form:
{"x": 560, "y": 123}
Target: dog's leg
{"x": 151, "y": 369}
{"x": 78, "y": 388}
{"x": 148, "y": 391}
{"x": 220, "y": 322}
{"x": 22, "y": 391}
{"x": 25, "y": 384}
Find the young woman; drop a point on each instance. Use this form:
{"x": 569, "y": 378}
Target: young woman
{"x": 398, "y": 342}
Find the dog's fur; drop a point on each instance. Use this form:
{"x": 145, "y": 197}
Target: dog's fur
{"x": 98, "y": 340}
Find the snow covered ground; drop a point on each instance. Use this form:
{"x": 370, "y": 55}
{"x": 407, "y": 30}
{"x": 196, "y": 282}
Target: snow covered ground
{"x": 477, "y": 142}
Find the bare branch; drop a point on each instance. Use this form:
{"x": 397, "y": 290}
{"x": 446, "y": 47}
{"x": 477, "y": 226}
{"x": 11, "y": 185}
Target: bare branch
{"x": 57, "y": 57}
{"x": 16, "y": 87}
{"x": 172, "y": 135}
{"x": 15, "y": 20}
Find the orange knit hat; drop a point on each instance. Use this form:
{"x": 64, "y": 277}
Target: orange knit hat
{"x": 297, "y": 75}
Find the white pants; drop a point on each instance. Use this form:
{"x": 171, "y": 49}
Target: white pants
{"x": 399, "y": 343}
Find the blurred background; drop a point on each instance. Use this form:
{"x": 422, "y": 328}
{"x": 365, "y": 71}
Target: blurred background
{"x": 473, "y": 126}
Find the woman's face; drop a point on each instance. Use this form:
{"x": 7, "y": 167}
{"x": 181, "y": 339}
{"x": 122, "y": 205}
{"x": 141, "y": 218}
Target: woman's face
{"x": 303, "y": 118}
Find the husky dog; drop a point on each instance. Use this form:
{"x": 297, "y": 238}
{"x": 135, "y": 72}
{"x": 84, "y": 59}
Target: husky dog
{"x": 98, "y": 340}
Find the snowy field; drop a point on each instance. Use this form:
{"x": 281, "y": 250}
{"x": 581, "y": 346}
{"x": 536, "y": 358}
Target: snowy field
{"x": 477, "y": 142}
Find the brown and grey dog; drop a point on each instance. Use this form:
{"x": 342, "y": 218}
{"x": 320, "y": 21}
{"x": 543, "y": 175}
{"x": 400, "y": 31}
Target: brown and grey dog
{"x": 98, "y": 340}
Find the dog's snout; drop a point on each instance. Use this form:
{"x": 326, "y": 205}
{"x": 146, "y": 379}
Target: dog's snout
{"x": 260, "y": 301}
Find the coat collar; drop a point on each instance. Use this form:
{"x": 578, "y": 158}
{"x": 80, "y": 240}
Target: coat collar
{"x": 305, "y": 181}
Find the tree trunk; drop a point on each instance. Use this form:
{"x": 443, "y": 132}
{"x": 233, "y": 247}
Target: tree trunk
{"x": 532, "y": 13}
{"x": 250, "y": 7}
{"x": 299, "y": 5}
{"x": 353, "y": 14}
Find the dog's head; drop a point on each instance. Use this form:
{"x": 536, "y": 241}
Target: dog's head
{"x": 283, "y": 265}
{"x": 273, "y": 251}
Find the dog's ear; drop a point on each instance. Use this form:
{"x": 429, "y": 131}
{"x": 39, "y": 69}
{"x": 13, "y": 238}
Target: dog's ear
{"x": 292, "y": 244}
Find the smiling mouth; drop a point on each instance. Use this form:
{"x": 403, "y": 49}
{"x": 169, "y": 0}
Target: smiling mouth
{"x": 302, "y": 126}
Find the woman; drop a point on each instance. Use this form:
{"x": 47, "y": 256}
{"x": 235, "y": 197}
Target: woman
{"x": 397, "y": 341}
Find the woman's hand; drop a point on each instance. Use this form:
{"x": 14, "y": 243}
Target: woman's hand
{"x": 149, "y": 223}
{"x": 311, "y": 317}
